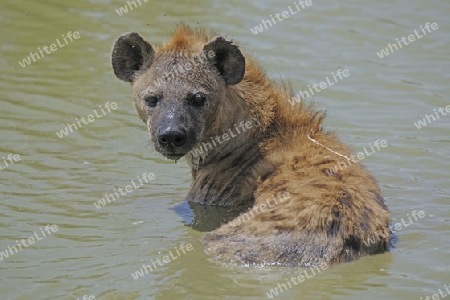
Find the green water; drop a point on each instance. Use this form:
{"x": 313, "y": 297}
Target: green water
{"x": 94, "y": 251}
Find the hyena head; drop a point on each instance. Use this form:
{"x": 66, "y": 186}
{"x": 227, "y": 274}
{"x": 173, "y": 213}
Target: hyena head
{"x": 177, "y": 92}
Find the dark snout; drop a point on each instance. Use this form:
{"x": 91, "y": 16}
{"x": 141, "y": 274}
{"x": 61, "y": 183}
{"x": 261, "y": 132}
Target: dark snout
{"x": 174, "y": 133}
{"x": 172, "y": 137}
{"x": 174, "y": 142}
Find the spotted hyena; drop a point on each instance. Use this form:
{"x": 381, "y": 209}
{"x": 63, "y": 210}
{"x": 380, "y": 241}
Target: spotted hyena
{"x": 203, "y": 99}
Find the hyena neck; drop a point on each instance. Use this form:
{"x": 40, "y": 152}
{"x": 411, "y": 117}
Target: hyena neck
{"x": 227, "y": 163}
{"x": 229, "y": 180}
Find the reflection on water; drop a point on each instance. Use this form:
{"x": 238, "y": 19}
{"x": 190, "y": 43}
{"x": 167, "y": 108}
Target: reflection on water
{"x": 57, "y": 73}
{"x": 208, "y": 218}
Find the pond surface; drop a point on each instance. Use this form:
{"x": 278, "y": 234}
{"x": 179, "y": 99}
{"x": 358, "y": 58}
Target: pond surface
{"x": 93, "y": 252}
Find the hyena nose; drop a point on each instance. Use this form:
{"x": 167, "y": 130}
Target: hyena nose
{"x": 171, "y": 137}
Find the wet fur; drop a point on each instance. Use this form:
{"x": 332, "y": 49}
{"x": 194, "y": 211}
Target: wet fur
{"x": 327, "y": 217}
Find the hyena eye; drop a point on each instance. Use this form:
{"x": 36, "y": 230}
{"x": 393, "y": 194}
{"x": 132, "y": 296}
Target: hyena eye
{"x": 198, "y": 99}
{"x": 151, "y": 100}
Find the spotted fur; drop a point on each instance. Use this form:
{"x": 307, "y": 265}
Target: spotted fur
{"x": 327, "y": 218}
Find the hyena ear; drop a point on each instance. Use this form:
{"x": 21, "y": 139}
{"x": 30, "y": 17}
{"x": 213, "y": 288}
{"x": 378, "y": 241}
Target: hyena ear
{"x": 228, "y": 59}
{"x": 131, "y": 53}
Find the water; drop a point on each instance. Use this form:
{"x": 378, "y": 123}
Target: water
{"x": 94, "y": 251}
